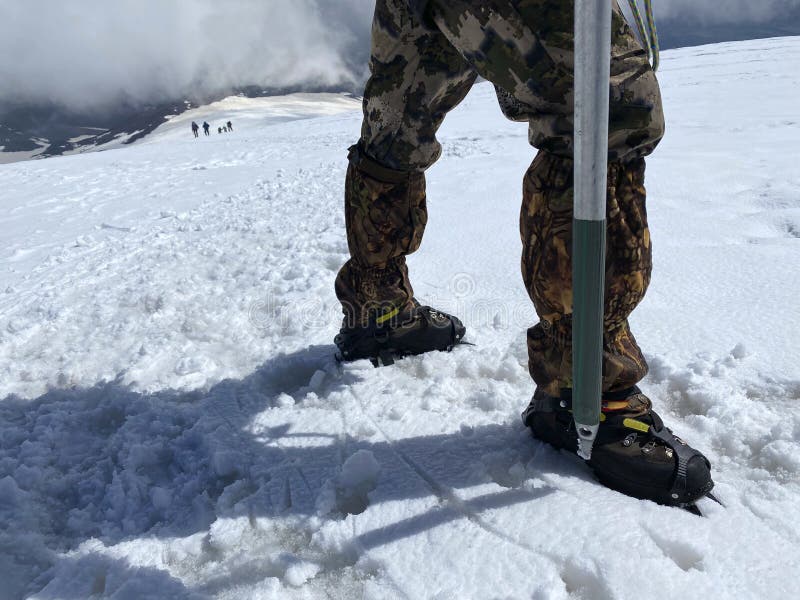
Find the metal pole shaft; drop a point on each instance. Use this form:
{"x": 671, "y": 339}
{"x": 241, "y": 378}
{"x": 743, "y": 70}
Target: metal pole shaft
{"x": 592, "y": 75}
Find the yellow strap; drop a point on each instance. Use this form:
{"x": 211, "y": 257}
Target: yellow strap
{"x": 383, "y": 318}
{"x": 615, "y": 405}
{"x": 637, "y": 425}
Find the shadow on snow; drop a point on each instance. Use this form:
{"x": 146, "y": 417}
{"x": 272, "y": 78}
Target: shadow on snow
{"x": 114, "y": 465}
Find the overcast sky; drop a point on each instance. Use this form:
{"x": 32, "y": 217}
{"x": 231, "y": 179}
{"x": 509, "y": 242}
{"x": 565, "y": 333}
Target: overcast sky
{"x": 94, "y": 51}
{"x": 84, "y": 53}
{"x": 722, "y": 11}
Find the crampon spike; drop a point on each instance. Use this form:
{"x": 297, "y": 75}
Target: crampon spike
{"x": 692, "y": 508}
{"x": 695, "y": 510}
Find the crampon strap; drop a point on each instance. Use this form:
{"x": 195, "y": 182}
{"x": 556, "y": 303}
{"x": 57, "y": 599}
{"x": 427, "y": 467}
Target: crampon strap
{"x": 657, "y": 431}
{"x": 418, "y": 330}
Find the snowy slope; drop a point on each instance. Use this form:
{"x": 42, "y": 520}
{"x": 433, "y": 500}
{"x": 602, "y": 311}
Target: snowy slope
{"x": 47, "y": 206}
{"x": 173, "y": 424}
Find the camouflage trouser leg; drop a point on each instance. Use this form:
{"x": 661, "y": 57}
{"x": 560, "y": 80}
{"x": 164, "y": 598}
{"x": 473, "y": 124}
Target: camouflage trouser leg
{"x": 546, "y": 228}
{"x": 385, "y": 221}
{"x": 417, "y": 76}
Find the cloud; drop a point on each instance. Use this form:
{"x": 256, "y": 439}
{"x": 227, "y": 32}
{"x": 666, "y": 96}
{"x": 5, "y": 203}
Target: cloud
{"x": 86, "y": 53}
{"x": 727, "y": 11}
{"x": 95, "y": 53}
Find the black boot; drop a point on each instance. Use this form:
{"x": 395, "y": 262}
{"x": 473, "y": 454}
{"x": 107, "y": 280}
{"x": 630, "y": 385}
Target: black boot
{"x": 634, "y": 452}
{"x": 414, "y": 331}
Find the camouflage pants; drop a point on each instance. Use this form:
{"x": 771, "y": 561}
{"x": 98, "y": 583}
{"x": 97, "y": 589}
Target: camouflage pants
{"x": 421, "y": 68}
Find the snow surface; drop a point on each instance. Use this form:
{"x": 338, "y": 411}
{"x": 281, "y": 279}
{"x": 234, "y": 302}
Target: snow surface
{"x": 173, "y": 423}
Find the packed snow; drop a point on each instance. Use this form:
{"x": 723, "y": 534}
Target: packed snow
{"x": 173, "y": 423}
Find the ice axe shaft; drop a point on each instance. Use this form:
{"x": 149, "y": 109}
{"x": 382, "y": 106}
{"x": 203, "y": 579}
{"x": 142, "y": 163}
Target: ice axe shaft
{"x": 592, "y": 76}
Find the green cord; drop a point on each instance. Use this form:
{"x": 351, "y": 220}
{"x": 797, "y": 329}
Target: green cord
{"x": 649, "y": 35}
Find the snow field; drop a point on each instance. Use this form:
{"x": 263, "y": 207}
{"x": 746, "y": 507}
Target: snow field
{"x": 173, "y": 423}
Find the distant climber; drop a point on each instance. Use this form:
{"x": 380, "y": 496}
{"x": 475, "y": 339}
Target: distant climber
{"x": 219, "y": 129}
{"x": 230, "y": 126}
{"x": 195, "y": 129}
{"x": 206, "y": 127}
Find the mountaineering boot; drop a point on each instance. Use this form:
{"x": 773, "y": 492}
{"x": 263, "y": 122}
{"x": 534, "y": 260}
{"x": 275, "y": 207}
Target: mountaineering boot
{"x": 400, "y": 333}
{"x": 634, "y": 452}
